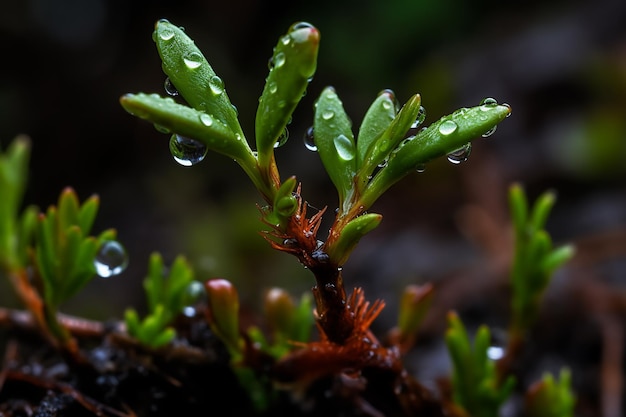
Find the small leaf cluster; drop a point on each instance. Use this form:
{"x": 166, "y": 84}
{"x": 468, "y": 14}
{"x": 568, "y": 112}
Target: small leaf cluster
{"x": 550, "y": 397}
{"x": 16, "y": 229}
{"x": 388, "y": 137}
{"x": 64, "y": 251}
{"x": 535, "y": 258}
{"x": 475, "y": 381}
{"x": 168, "y": 293}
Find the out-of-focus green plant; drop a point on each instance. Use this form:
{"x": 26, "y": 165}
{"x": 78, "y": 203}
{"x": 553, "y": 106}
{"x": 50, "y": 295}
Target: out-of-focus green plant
{"x": 168, "y": 293}
{"x": 56, "y": 244}
{"x": 480, "y": 384}
{"x": 550, "y": 397}
{"x": 535, "y": 258}
{"x": 475, "y": 381}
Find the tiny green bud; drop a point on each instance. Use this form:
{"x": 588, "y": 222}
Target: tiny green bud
{"x": 223, "y": 313}
{"x": 340, "y": 246}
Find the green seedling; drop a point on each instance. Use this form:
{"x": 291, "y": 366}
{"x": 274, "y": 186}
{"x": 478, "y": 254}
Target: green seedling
{"x": 168, "y": 293}
{"x": 476, "y": 386}
{"x": 550, "y": 397}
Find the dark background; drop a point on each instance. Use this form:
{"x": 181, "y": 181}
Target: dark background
{"x": 561, "y": 65}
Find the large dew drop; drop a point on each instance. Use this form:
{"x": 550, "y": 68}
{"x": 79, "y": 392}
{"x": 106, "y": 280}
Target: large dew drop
{"x": 279, "y": 60}
{"x": 282, "y": 139}
{"x": 186, "y": 151}
{"x": 111, "y": 259}
{"x": 309, "y": 140}
{"x": 488, "y": 103}
{"x": 344, "y": 147}
{"x": 193, "y": 60}
{"x": 169, "y": 87}
{"x": 448, "y": 127}
{"x": 166, "y": 34}
{"x": 216, "y": 85}
{"x": 461, "y": 154}
{"x": 489, "y": 132}
{"x": 328, "y": 114}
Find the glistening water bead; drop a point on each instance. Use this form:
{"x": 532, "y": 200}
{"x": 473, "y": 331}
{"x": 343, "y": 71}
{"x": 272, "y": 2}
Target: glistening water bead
{"x": 170, "y": 89}
{"x": 186, "y": 151}
{"x": 111, "y": 259}
{"x": 309, "y": 140}
{"x": 460, "y": 155}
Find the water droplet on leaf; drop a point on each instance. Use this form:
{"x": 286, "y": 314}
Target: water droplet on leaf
{"x": 495, "y": 353}
{"x": 309, "y": 140}
{"x": 193, "y": 60}
{"x": 186, "y": 151}
{"x": 448, "y": 127}
{"x": 111, "y": 259}
{"x": 216, "y": 85}
{"x": 344, "y": 147}
{"x": 420, "y": 168}
{"x": 272, "y": 87}
{"x": 300, "y": 25}
{"x": 169, "y": 87}
{"x": 489, "y": 132}
{"x": 461, "y": 154}
{"x": 206, "y": 119}
{"x": 279, "y": 60}
{"x": 282, "y": 139}
{"x": 328, "y": 114}
{"x": 488, "y": 103}
{"x": 161, "y": 129}
{"x": 166, "y": 34}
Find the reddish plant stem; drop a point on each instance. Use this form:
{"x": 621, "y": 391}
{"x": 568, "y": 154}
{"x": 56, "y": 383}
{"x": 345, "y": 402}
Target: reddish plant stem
{"x": 333, "y": 316}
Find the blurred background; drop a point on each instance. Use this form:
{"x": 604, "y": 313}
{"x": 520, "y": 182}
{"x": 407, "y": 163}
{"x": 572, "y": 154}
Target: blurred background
{"x": 561, "y": 65}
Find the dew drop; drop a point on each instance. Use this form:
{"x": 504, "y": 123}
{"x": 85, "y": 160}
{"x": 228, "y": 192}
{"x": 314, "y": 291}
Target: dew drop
{"x": 383, "y": 163}
{"x": 206, "y": 119}
{"x": 282, "y": 139}
{"x": 489, "y": 132}
{"x": 309, "y": 140}
{"x": 111, "y": 259}
{"x": 495, "y": 353}
{"x": 300, "y": 25}
{"x": 186, "y": 151}
{"x": 272, "y": 87}
{"x": 285, "y": 40}
{"x": 386, "y": 105}
{"x": 488, "y": 103}
{"x": 279, "y": 60}
{"x": 461, "y": 154}
{"x": 169, "y": 87}
{"x": 448, "y": 127}
{"x": 166, "y": 34}
{"x": 328, "y": 114}
{"x": 344, "y": 147}
{"x": 387, "y": 91}
{"x": 216, "y": 85}
{"x": 421, "y": 116}
{"x": 420, "y": 168}
{"x": 161, "y": 129}
{"x": 193, "y": 60}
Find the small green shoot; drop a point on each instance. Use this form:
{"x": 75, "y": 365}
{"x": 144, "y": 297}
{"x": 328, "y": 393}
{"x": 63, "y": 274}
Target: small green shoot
{"x": 535, "y": 258}
{"x": 475, "y": 382}
{"x": 550, "y": 397}
{"x": 168, "y": 293}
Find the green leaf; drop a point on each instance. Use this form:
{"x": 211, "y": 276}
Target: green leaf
{"x": 442, "y": 137}
{"x": 190, "y": 123}
{"x": 335, "y": 143}
{"x": 87, "y": 213}
{"x": 292, "y": 66}
{"x": 377, "y": 118}
{"x": 340, "y": 246}
{"x": 193, "y": 76}
{"x": 388, "y": 140}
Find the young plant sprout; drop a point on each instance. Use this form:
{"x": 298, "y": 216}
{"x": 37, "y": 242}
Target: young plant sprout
{"x": 48, "y": 257}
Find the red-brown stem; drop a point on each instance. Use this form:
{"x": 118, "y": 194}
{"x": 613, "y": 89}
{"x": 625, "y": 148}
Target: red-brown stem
{"x": 333, "y": 315}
